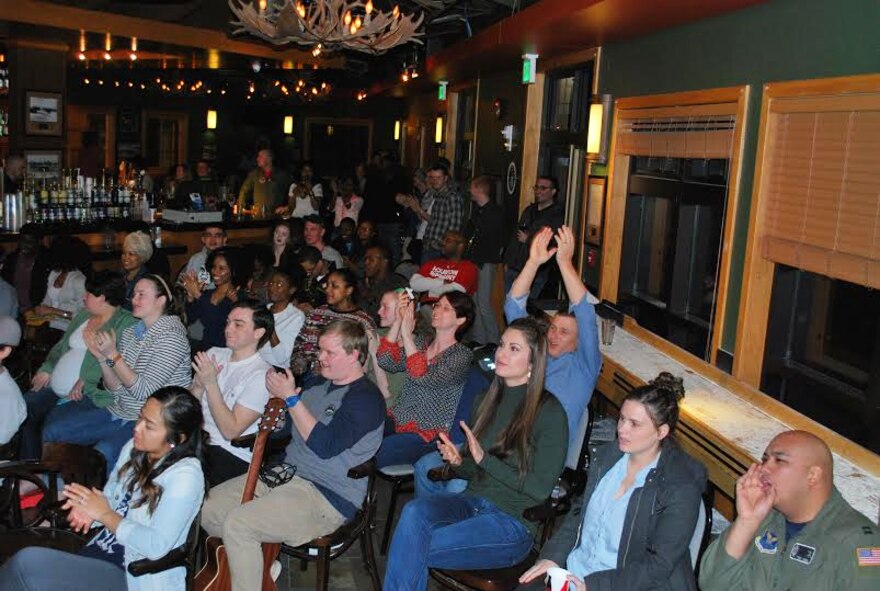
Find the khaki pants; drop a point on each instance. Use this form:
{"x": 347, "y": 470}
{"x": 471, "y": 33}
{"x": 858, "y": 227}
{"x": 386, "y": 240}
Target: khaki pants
{"x": 292, "y": 513}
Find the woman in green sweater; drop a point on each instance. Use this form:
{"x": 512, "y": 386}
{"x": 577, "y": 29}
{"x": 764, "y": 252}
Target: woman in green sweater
{"x": 70, "y": 372}
{"x": 513, "y": 457}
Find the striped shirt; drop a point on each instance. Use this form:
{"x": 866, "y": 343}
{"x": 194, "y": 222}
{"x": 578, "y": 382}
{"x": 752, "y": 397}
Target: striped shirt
{"x": 161, "y": 358}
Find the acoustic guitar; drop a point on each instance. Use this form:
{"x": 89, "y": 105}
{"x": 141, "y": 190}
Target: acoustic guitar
{"x": 215, "y": 575}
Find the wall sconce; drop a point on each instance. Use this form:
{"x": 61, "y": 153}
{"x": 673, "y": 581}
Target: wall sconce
{"x": 597, "y": 128}
{"x": 211, "y": 122}
{"x": 288, "y": 125}
{"x": 397, "y": 130}
{"x": 438, "y": 130}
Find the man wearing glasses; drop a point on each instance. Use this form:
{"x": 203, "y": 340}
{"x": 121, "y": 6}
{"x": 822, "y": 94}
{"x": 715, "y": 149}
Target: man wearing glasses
{"x": 446, "y": 214}
{"x": 544, "y": 212}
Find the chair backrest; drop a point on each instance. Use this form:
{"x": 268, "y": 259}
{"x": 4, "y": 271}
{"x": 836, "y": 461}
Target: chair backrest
{"x": 576, "y": 459}
{"x": 474, "y": 384}
{"x": 697, "y": 538}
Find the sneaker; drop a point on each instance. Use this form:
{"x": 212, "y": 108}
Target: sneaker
{"x": 275, "y": 570}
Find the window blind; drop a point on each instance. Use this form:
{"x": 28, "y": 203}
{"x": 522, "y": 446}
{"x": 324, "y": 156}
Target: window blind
{"x": 706, "y": 136}
{"x": 822, "y": 187}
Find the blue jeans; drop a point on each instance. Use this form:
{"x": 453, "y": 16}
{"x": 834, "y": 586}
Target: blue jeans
{"x": 83, "y": 423}
{"x": 425, "y": 486}
{"x": 39, "y": 404}
{"x": 402, "y": 448}
{"x": 46, "y": 569}
{"x": 452, "y": 531}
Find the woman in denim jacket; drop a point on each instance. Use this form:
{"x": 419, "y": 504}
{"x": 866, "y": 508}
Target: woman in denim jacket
{"x": 145, "y": 510}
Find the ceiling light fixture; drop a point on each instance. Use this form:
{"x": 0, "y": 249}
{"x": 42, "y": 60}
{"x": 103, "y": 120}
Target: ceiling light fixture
{"x": 332, "y": 24}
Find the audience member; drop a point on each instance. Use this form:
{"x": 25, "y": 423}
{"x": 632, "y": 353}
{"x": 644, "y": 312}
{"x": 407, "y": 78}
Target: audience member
{"x": 390, "y": 383}
{"x": 512, "y": 459}
{"x": 640, "y": 507}
{"x": 137, "y": 248}
{"x": 212, "y": 306}
{"x": 8, "y": 295}
{"x": 203, "y": 185}
{"x": 145, "y": 510}
{"x": 153, "y": 353}
{"x": 341, "y": 297}
{"x": 12, "y": 408}
{"x": 258, "y": 259}
{"x": 545, "y": 212}
{"x": 313, "y": 233}
{"x": 27, "y": 268}
{"x": 378, "y": 279}
{"x": 574, "y": 359}
{"x": 288, "y": 318}
{"x": 447, "y": 273}
{"x": 345, "y": 242}
{"x": 384, "y": 182}
{"x": 230, "y": 382}
{"x": 65, "y": 287}
{"x": 348, "y": 204}
{"x": 311, "y": 294}
{"x": 303, "y": 197}
{"x": 336, "y": 425}
{"x": 283, "y": 245}
{"x": 793, "y": 529}
{"x": 485, "y": 242}
{"x": 13, "y": 174}
{"x": 70, "y": 371}
{"x": 447, "y": 211}
{"x": 213, "y": 237}
{"x": 265, "y": 187}
{"x": 436, "y": 369}
{"x": 417, "y": 210}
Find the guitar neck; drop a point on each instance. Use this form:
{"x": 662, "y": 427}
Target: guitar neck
{"x": 275, "y": 408}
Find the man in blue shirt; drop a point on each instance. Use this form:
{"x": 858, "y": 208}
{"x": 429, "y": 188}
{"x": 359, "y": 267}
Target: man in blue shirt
{"x": 573, "y": 357}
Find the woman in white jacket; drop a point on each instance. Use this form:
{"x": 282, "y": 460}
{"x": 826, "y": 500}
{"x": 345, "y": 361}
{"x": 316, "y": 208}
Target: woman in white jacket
{"x": 145, "y": 510}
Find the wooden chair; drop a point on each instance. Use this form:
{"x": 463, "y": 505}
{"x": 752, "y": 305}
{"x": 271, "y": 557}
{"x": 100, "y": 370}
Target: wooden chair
{"x": 184, "y": 555}
{"x": 324, "y": 549}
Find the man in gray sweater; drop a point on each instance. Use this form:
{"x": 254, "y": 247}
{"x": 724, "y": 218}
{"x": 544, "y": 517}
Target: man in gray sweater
{"x": 337, "y": 424}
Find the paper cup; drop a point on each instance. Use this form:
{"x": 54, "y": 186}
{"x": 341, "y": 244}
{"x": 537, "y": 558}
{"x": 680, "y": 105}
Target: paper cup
{"x": 558, "y": 579}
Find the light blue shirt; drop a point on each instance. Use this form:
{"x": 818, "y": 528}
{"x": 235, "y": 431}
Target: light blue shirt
{"x": 570, "y": 377}
{"x": 603, "y": 521}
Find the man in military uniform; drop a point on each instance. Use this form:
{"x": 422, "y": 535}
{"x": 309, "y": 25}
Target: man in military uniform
{"x": 793, "y": 529}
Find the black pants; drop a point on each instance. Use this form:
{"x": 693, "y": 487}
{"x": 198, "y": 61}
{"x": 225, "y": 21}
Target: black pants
{"x": 222, "y": 465}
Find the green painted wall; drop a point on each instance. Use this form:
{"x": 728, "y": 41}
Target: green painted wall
{"x": 781, "y": 40}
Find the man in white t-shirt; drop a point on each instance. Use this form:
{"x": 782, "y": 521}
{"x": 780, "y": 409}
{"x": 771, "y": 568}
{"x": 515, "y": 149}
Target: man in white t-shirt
{"x": 12, "y": 408}
{"x": 231, "y": 383}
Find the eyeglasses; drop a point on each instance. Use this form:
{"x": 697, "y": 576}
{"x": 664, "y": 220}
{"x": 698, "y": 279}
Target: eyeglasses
{"x": 542, "y": 187}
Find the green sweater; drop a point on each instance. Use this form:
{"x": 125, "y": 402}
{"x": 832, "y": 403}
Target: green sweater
{"x": 498, "y": 480}
{"x": 90, "y": 372}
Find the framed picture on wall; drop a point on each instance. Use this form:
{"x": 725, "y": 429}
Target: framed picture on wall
{"x": 595, "y": 208}
{"x": 43, "y": 164}
{"x": 44, "y": 113}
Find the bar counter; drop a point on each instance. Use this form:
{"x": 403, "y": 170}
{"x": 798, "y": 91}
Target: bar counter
{"x": 179, "y": 241}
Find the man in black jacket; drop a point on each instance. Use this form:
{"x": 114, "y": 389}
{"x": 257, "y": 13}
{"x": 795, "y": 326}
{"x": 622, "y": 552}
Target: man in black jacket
{"x": 485, "y": 241}
{"x": 545, "y": 211}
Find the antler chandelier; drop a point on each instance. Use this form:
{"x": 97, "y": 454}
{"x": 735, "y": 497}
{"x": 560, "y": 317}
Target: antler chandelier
{"x": 326, "y": 24}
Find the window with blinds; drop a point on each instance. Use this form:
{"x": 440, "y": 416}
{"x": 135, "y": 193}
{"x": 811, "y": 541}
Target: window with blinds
{"x": 707, "y": 136}
{"x": 821, "y": 187}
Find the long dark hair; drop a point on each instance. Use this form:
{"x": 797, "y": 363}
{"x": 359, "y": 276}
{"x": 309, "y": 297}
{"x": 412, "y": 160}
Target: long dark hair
{"x": 183, "y": 418}
{"x": 517, "y": 435}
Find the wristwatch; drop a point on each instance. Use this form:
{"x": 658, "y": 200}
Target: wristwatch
{"x": 292, "y": 400}
{"x": 111, "y": 362}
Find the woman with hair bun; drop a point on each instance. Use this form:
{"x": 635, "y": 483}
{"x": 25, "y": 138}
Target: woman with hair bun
{"x": 640, "y": 508}
{"x": 146, "y": 508}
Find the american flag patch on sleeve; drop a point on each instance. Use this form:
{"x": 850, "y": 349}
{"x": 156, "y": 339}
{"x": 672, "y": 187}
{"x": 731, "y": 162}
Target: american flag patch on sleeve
{"x": 868, "y": 556}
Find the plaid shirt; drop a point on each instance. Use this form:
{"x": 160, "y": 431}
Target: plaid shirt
{"x": 447, "y": 214}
